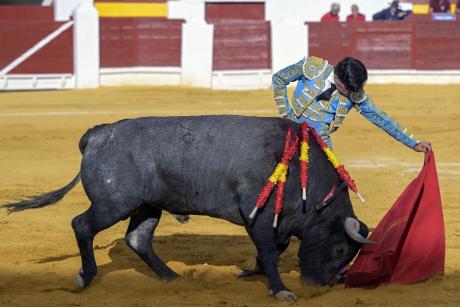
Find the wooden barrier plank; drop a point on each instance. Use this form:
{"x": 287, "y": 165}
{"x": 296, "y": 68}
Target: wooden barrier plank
{"x": 56, "y": 57}
{"x": 159, "y": 43}
{"x": 128, "y": 42}
{"x": 117, "y": 42}
{"x": 331, "y": 41}
{"x": 437, "y": 45}
{"x": 242, "y": 45}
{"x": 415, "y": 44}
{"x": 215, "y": 12}
{"x": 26, "y": 12}
{"x": 384, "y": 44}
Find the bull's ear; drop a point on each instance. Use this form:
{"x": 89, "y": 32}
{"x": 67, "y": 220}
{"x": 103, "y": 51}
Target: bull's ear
{"x": 333, "y": 193}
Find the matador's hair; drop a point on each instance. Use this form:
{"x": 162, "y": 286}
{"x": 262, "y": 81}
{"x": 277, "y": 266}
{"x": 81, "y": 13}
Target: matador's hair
{"x": 352, "y": 73}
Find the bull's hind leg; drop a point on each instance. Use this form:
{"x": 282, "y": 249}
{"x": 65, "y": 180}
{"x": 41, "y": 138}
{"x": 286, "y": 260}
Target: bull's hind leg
{"x": 84, "y": 233}
{"x": 139, "y": 238}
{"x": 86, "y": 226}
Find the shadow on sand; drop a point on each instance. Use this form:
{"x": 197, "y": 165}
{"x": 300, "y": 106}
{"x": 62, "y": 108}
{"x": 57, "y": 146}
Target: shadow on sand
{"x": 217, "y": 250}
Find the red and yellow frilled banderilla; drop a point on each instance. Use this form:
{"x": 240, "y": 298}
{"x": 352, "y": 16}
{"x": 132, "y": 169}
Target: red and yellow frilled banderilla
{"x": 340, "y": 168}
{"x": 279, "y": 175}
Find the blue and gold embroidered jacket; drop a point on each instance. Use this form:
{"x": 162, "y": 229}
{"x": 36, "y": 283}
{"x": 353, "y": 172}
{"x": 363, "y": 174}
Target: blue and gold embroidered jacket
{"x": 326, "y": 116}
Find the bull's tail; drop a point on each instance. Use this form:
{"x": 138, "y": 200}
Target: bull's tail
{"x": 43, "y": 200}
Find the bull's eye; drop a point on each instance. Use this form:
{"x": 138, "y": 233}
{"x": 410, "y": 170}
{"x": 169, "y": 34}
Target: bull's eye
{"x": 339, "y": 252}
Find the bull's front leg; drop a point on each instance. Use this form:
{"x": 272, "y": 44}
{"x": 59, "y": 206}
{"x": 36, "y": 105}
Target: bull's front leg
{"x": 268, "y": 251}
{"x": 253, "y": 266}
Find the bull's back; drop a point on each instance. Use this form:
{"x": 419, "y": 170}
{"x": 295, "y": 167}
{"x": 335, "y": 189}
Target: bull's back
{"x": 196, "y": 165}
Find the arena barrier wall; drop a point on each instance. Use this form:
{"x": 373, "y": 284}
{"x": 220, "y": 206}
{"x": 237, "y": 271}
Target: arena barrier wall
{"x": 211, "y": 44}
{"x": 416, "y": 51}
{"x": 250, "y": 63}
{"x": 140, "y": 51}
{"x": 26, "y": 12}
{"x": 56, "y": 57}
{"x": 417, "y": 44}
{"x": 217, "y": 11}
{"x": 42, "y": 53}
{"x": 241, "y": 54}
{"x": 35, "y": 51}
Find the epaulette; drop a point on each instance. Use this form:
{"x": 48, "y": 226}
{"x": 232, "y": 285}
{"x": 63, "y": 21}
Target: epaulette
{"x": 313, "y": 67}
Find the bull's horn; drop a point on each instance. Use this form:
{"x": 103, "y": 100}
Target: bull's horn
{"x": 351, "y": 226}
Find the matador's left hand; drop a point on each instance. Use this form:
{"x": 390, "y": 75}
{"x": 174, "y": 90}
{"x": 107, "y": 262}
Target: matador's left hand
{"x": 423, "y": 147}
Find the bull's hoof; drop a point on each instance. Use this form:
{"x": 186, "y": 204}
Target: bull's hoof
{"x": 286, "y": 295}
{"x": 170, "y": 277}
{"x": 80, "y": 283}
{"x": 252, "y": 266}
{"x": 244, "y": 274}
{"x": 83, "y": 280}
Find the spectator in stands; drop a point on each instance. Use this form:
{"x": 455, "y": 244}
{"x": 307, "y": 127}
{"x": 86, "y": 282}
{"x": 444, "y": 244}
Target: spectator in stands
{"x": 392, "y": 13}
{"x": 333, "y": 15}
{"x": 439, "y": 6}
{"x": 457, "y": 10}
{"x": 356, "y": 15}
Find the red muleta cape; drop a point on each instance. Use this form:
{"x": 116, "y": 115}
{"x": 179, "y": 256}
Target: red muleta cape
{"x": 410, "y": 240}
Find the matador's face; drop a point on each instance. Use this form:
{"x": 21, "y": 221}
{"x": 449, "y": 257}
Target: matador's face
{"x": 340, "y": 86}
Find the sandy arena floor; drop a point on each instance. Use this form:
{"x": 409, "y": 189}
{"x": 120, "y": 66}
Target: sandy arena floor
{"x": 39, "y": 133}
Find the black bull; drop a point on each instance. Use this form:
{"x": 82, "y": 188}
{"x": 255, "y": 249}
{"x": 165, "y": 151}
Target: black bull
{"x": 208, "y": 165}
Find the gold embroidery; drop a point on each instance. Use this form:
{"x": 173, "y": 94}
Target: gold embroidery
{"x": 316, "y": 71}
{"x": 317, "y": 112}
{"x": 280, "y": 103}
{"x": 341, "y": 112}
{"x": 306, "y": 92}
{"x": 325, "y": 104}
{"x": 282, "y": 111}
{"x": 298, "y": 105}
{"x": 301, "y": 103}
{"x": 313, "y": 67}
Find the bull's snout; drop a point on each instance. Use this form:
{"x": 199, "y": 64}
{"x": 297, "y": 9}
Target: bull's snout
{"x": 319, "y": 281}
